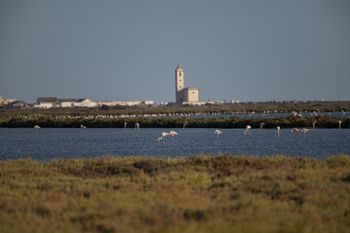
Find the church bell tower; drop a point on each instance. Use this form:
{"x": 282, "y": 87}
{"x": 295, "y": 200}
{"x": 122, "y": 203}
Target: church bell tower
{"x": 179, "y": 81}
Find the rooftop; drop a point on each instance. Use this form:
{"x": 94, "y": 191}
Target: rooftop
{"x": 67, "y": 100}
{"x": 191, "y": 88}
{"x": 47, "y": 100}
{"x": 179, "y": 66}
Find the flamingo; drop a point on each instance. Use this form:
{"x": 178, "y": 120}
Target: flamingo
{"x": 125, "y": 124}
{"x": 173, "y": 133}
{"x": 36, "y": 127}
{"x": 278, "y": 130}
{"x": 82, "y": 126}
{"x": 339, "y": 122}
{"x": 217, "y": 132}
{"x": 295, "y": 130}
{"x": 164, "y": 134}
{"x": 137, "y": 125}
{"x": 247, "y": 130}
{"x": 314, "y": 123}
{"x": 304, "y": 130}
{"x": 160, "y": 138}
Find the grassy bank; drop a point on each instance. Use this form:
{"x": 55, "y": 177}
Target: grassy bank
{"x": 246, "y": 107}
{"x": 289, "y": 122}
{"x": 197, "y": 194}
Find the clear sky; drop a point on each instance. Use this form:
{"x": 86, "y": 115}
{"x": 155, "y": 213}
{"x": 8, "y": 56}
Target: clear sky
{"x": 252, "y": 50}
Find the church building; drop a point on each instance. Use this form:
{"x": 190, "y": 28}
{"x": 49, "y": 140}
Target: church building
{"x": 184, "y": 95}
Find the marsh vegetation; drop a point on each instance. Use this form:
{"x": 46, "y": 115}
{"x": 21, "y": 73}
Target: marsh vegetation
{"x": 69, "y": 122}
{"x": 177, "y": 116}
{"x": 195, "y": 194}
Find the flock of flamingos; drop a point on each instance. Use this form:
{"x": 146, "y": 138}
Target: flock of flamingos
{"x": 217, "y": 132}
{"x": 247, "y": 131}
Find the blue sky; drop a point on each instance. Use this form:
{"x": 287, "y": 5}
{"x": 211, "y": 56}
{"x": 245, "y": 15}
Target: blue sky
{"x": 251, "y": 50}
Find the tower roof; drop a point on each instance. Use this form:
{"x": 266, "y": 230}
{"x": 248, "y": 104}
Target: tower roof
{"x": 179, "y": 66}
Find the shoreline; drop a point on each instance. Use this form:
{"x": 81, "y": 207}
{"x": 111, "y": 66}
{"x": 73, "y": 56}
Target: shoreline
{"x": 184, "y": 158}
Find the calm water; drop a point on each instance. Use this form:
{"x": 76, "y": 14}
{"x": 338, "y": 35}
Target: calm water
{"x": 45, "y": 144}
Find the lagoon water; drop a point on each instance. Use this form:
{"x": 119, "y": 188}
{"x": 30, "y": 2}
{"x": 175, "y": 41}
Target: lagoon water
{"x": 47, "y": 144}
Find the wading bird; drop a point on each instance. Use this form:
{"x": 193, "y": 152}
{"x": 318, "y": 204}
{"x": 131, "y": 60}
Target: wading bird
{"x": 173, "y": 133}
{"x": 304, "y": 130}
{"x": 247, "y": 130}
{"x": 164, "y": 134}
{"x": 295, "y": 130}
{"x": 278, "y": 130}
{"x": 339, "y": 122}
{"x": 314, "y": 124}
{"x": 82, "y": 126}
{"x": 36, "y": 127}
{"x": 217, "y": 132}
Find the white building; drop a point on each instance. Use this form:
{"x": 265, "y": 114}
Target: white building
{"x": 53, "y": 102}
{"x": 126, "y": 103}
{"x": 67, "y": 103}
{"x": 4, "y": 101}
{"x": 87, "y": 103}
{"x": 184, "y": 94}
{"x": 46, "y": 102}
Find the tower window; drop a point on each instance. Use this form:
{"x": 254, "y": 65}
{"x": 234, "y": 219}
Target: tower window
{"x": 180, "y": 74}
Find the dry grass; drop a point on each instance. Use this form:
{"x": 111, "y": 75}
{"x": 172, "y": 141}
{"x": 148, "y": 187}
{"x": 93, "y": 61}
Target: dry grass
{"x": 196, "y": 194}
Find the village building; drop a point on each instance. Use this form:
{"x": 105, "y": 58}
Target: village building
{"x": 18, "y": 104}
{"x": 184, "y": 95}
{"x": 67, "y": 103}
{"x": 126, "y": 103}
{"x": 4, "y": 101}
{"x": 87, "y": 103}
{"x": 46, "y": 102}
{"x": 53, "y": 102}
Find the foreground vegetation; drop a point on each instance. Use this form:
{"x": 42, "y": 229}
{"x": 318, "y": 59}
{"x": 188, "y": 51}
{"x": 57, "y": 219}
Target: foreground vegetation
{"x": 197, "y": 194}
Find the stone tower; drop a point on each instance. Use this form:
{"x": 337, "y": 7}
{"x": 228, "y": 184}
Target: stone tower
{"x": 179, "y": 82}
